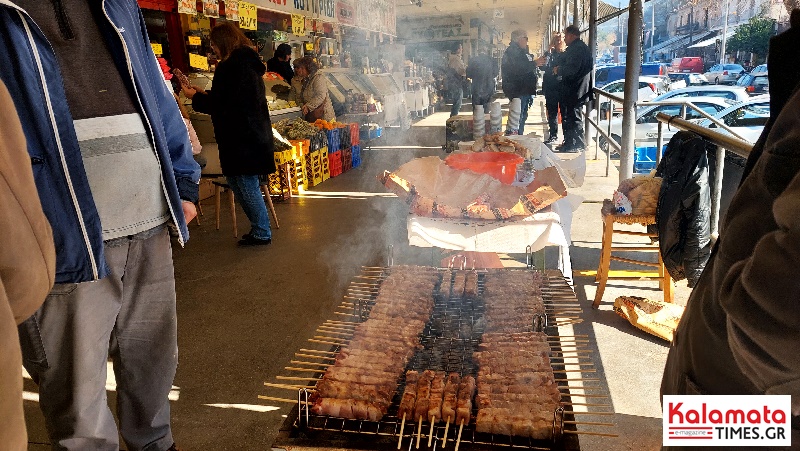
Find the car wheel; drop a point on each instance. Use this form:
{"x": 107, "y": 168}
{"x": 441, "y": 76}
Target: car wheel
{"x": 604, "y": 146}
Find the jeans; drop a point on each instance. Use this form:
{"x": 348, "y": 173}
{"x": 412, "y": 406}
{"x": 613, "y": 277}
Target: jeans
{"x": 526, "y": 101}
{"x": 551, "y": 105}
{"x": 247, "y": 191}
{"x": 456, "y": 95}
{"x": 129, "y": 316}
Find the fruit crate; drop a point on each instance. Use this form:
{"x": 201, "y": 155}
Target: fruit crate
{"x": 333, "y": 138}
{"x": 282, "y": 157}
{"x": 300, "y": 148}
{"x": 323, "y": 158}
{"x": 347, "y": 159}
{"x": 313, "y": 169}
{"x": 318, "y": 141}
{"x": 344, "y": 137}
{"x": 280, "y": 182}
{"x": 354, "y": 132}
{"x": 335, "y": 160}
{"x": 356, "y": 149}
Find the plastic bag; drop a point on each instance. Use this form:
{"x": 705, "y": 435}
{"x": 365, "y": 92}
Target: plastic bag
{"x": 658, "y": 318}
{"x": 622, "y": 204}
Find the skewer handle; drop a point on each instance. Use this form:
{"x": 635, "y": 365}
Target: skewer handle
{"x": 460, "y": 430}
{"x": 446, "y": 428}
{"x": 419, "y": 431}
{"x": 402, "y": 426}
{"x": 430, "y": 435}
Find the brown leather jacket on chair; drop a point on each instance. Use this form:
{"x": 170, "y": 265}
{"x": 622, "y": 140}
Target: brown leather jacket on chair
{"x": 741, "y": 328}
{"x": 27, "y": 266}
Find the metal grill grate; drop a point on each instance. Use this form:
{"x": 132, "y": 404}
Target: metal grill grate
{"x": 449, "y": 340}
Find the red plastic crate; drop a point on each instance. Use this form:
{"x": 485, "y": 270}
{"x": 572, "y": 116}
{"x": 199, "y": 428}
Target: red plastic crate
{"x": 354, "y": 132}
{"x": 347, "y": 159}
{"x": 335, "y": 163}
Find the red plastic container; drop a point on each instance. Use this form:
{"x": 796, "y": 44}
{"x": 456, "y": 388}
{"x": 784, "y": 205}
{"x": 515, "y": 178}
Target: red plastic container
{"x": 500, "y": 165}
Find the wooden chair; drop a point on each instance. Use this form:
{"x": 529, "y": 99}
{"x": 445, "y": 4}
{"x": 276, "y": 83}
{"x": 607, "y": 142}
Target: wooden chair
{"x": 608, "y": 246}
{"x": 222, "y": 183}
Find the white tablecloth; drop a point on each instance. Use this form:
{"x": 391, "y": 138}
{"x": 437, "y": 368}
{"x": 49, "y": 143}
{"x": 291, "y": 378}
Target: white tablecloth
{"x": 512, "y": 236}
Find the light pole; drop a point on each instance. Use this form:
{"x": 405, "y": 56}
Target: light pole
{"x": 724, "y": 32}
{"x": 652, "y": 27}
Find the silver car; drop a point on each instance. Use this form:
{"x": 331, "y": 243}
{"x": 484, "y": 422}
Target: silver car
{"x": 724, "y": 73}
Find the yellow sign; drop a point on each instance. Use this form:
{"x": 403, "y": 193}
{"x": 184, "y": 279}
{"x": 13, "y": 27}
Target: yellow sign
{"x": 194, "y": 40}
{"x": 248, "y": 18}
{"x": 198, "y": 61}
{"x": 298, "y": 25}
{"x": 156, "y": 48}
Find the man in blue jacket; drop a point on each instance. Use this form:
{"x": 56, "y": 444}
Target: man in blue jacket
{"x": 114, "y": 170}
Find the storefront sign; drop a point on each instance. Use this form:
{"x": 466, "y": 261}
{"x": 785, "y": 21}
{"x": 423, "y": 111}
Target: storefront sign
{"x": 298, "y": 25}
{"x": 198, "y": 61}
{"x": 195, "y": 40}
{"x": 346, "y": 12}
{"x": 156, "y": 48}
{"x": 211, "y": 8}
{"x": 326, "y": 9}
{"x": 187, "y": 6}
{"x": 232, "y": 10}
{"x": 248, "y": 18}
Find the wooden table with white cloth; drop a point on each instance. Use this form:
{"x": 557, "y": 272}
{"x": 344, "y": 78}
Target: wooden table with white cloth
{"x": 517, "y": 234}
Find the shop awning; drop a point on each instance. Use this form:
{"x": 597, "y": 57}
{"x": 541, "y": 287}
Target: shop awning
{"x": 668, "y": 44}
{"x": 711, "y": 41}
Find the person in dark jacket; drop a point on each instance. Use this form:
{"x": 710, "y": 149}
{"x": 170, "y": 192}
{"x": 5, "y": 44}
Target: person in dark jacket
{"x": 238, "y": 108}
{"x": 519, "y": 79}
{"x": 684, "y": 207}
{"x": 280, "y": 63}
{"x": 739, "y": 332}
{"x": 551, "y": 86}
{"x": 575, "y": 76}
{"x": 483, "y": 71}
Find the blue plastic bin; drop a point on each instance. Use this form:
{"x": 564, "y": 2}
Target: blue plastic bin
{"x": 644, "y": 159}
{"x": 356, "y": 156}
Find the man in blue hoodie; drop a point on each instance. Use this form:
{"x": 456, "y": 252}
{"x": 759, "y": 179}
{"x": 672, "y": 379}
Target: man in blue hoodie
{"x": 114, "y": 171}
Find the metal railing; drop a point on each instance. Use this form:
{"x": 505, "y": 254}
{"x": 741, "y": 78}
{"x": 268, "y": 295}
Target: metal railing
{"x": 684, "y": 102}
{"x": 723, "y": 142}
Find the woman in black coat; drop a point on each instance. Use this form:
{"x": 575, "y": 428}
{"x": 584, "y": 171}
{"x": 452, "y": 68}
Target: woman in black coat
{"x": 238, "y": 108}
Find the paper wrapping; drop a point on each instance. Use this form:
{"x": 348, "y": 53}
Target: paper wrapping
{"x": 433, "y": 189}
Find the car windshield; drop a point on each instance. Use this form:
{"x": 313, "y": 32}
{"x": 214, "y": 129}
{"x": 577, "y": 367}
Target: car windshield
{"x": 753, "y": 115}
{"x": 733, "y": 67}
{"x": 745, "y": 80}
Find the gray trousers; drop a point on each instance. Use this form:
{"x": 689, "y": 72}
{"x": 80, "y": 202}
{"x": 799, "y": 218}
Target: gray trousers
{"x": 129, "y": 315}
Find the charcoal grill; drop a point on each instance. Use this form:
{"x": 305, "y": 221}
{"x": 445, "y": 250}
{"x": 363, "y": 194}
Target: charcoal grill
{"x": 449, "y": 339}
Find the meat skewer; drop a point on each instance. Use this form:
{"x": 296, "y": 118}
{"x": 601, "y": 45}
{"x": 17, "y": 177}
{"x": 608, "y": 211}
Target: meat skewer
{"x": 423, "y": 401}
{"x": 466, "y": 390}
{"x": 435, "y": 406}
{"x": 408, "y": 401}
{"x": 449, "y": 402}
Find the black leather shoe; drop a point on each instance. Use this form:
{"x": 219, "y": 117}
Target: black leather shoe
{"x": 551, "y": 140}
{"x": 249, "y": 240}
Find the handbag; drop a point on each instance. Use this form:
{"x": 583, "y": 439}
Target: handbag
{"x": 316, "y": 113}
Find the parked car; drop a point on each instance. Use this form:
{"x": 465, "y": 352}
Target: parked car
{"x": 747, "y": 119}
{"x": 680, "y": 80}
{"x": 647, "y": 125}
{"x": 647, "y": 91}
{"x": 724, "y": 73}
{"x": 733, "y": 93}
{"x": 760, "y": 69}
{"x": 657, "y": 69}
{"x": 754, "y": 84}
{"x": 687, "y": 64}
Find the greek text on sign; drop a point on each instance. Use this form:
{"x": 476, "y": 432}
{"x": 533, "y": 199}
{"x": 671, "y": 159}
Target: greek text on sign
{"x": 157, "y": 48}
{"x": 232, "y": 11}
{"x": 198, "y": 61}
{"x": 756, "y": 420}
{"x": 195, "y": 40}
{"x": 298, "y": 25}
{"x": 248, "y": 17}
